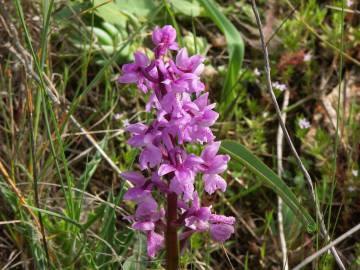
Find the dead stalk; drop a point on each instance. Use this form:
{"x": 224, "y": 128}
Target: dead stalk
{"x": 280, "y": 169}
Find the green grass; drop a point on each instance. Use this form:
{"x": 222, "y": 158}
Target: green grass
{"x": 75, "y": 194}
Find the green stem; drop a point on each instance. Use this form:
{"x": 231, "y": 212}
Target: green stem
{"x": 35, "y": 176}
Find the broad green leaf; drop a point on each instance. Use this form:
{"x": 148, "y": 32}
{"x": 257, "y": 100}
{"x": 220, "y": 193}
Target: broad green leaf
{"x": 110, "y": 12}
{"x": 235, "y": 45}
{"x": 186, "y": 7}
{"x": 102, "y": 36}
{"x": 269, "y": 178}
{"x": 140, "y": 8}
{"x": 121, "y": 12}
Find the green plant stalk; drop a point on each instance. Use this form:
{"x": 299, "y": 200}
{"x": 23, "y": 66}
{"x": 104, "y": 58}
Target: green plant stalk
{"x": 45, "y": 30}
{"x": 68, "y": 195}
{"x": 35, "y": 176}
{"x": 194, "y": 34}
{"x": 43, "y": 46}
{"x": 333, "y": 184}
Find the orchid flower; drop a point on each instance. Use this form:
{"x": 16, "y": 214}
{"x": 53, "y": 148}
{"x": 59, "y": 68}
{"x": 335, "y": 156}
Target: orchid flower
{"x": 181, "y": 116}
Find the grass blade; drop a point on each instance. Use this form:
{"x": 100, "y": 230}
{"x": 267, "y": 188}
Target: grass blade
{"x": 236, "y": 49}
{"x": 270, "y": 179}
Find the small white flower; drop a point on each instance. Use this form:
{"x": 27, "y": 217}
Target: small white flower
{"x": 125, "y": 122}
{"x": 349, "y": 3}
{"x": 257, "y": 72}
{"x": 355, "y": 173}
{"x": 280, "y": 86}
{"x": 117, "y": 116}
{"x": 304, "y": 123}
{"x": 307, "y": 57}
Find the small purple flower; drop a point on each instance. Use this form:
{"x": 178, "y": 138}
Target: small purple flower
{"x": 197, "y": 217}
{"x": 211, "y": 167}
{"x": 205, "y": 116}
{"x": 304, "y": 123}
{"x": 200, "y": 219}
{"x": 138, "y": 132}
{"x": 214, "y": 182}
{"x": 145, "y": 137}
{"x": 186, "y": 82}
{"x": 164, "y": 38}
{"x": 150, "y": 157}
{"x": 155, "y": 242}
{"x": 279, "y": 86}
{"x": 307, "y": 57}
{"x": 147, "y": 209}
{"x": 186, "y": 64}
{"x": 133, "y": 73}
{"x": 141, "y": 190}
{"x": 135, "y": 178}
{"x": 184, "y": 168}
{"x": 193, "y": 119}
{"x": 136, "y": 194}
{"x": 221, "y": 227}
{"x": 221, "y": 232}
{"x": 147, "y": 216}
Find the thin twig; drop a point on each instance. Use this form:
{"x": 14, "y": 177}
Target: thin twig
{"x": 345, "y": 9}
{"x": 10, "y": 222}
{"x": 103, "y": 131}
{"x": 327, "y": 247}
{"x": 288, "y": 138}
{"x": 280, "y": 169}
{"x": 227, "y": 257}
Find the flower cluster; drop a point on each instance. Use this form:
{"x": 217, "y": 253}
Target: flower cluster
{"x": 182, "y": 116}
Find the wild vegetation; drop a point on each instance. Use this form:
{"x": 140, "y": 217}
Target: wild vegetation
{"x": 64, "y": 147}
